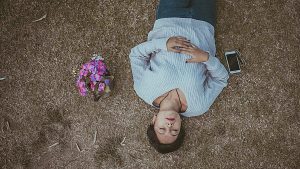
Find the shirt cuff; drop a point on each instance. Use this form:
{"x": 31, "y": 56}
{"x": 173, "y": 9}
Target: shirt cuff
{"x": 212, "y": 61}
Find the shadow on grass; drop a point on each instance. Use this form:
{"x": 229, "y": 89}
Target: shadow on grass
{"x": 107, "y": 154}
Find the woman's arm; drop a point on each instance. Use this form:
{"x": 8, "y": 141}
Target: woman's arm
{"x": 216, "y": 80}
{"x": 140, "y": 57}
{"x": 140, "y": 54}
{"x": 216, "y": 77}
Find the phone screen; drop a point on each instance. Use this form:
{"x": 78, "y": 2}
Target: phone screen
{"x": 233, "y": 62}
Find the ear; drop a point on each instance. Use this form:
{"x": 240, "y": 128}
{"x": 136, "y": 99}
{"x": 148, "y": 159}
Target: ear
{"x": 154, "y": 119}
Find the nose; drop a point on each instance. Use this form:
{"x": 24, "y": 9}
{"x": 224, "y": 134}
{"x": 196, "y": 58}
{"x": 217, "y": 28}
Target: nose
{"x": 170, "y": 124}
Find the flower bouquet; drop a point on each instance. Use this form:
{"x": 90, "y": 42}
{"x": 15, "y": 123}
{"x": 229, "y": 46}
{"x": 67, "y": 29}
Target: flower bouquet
{"x": 94, "y": 78}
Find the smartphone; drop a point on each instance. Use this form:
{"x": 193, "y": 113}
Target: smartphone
{"x": 233, "y": 62}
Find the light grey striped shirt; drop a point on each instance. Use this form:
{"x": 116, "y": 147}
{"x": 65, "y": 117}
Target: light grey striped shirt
{"x": 157, "y": 71}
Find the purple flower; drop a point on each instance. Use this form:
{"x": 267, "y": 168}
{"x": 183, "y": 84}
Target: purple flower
{"x": 90, "y": 74}
{"x": 84, "y": 66}
{"x": 107, "y": 81}
{"x": 83, "y": 72}
{"x": 81, "y": 84}
{"x": 83, "y": 91}
{"x": 98, "y": 77}
{"x": 102, "y": 68}
{"x": 90, "y": 66}
{"x": 94, "y": 70}
{"x": 100, "y": 73}
{"x": 92, "y": 86}
{"x": 101, "y": 87}
{"x": 93, "y": 78}
{"x": 78, "y": 81}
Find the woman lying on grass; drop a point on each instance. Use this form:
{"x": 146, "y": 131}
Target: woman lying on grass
{"x": 176, "y": 69}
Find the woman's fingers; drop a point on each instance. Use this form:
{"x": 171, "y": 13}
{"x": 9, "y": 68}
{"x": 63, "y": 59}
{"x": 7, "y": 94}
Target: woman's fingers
{"x": 194, "y": 46}
{"x": 175, "y": 49}
{"x": 185, "y": 51}
{"x": 192, "y": 60}
{"x": 182, "y": 43}
{"x": 181, "y": 38}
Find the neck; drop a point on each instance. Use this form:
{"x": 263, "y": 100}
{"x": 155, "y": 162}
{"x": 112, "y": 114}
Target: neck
{"x": 170, "y": 103}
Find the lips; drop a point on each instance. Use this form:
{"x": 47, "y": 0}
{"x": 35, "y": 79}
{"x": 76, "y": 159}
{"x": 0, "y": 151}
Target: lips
{"x": 171, "y": 119}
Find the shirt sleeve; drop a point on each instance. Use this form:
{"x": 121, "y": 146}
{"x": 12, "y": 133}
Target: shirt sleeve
{"x": 140, "y": 57}
{"x": 216, "y": 80}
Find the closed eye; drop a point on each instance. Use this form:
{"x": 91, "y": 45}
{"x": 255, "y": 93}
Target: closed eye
{"x": 161, "y": 130}
{"x": 174, "y": 132}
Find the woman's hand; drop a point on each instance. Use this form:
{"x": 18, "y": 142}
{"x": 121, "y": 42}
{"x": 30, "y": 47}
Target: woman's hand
{"x": 197, "y": 54}
{"x": 176, "y": 43}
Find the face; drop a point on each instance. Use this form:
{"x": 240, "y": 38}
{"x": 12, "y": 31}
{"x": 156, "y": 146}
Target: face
{"x": 167, "y": 126}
